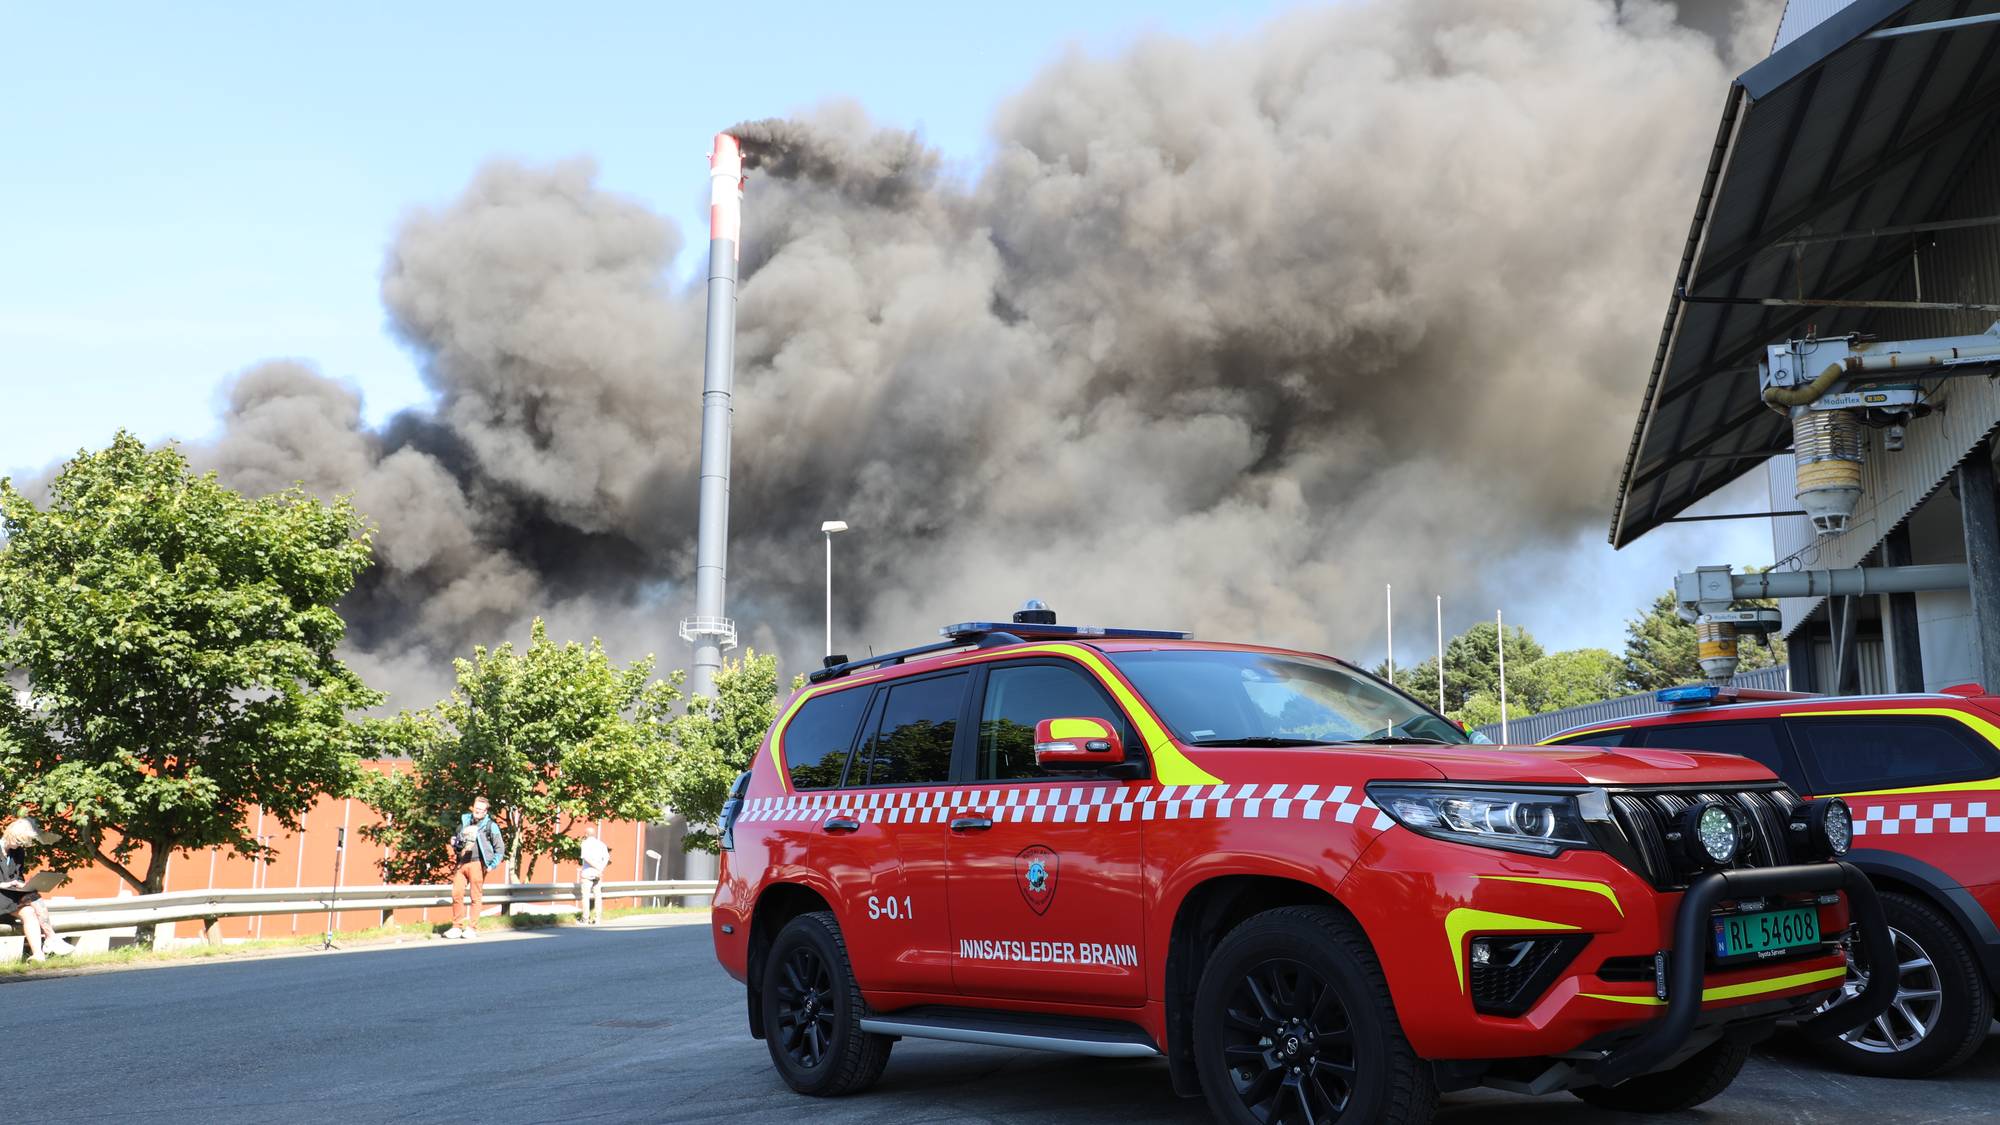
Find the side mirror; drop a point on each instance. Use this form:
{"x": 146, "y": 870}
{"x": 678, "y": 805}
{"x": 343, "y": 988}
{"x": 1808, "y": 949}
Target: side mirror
{"x": 1077, "y": 744}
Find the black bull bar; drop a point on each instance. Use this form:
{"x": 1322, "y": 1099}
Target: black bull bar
{"x": 1686, "y": 965}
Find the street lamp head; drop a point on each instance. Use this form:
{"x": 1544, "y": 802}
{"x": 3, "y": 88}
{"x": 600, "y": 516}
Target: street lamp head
{"x": 651, "y": 854}
{"x": 832, "y": 526}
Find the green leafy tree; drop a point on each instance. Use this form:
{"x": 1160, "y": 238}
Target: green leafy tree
{"x": 714, "y": 740}
{"x": 176, "y": 642}
{"x": 1570, "y": 678}
{"x": 1660, "y": 648}
{"x": 553, "y": 737}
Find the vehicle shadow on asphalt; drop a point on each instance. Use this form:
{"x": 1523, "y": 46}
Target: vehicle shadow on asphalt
{"x": 932, "y": 1082}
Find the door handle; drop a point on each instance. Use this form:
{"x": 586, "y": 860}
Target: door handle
{"x": 971, "y": 823}
{"x": 840, "y": 824}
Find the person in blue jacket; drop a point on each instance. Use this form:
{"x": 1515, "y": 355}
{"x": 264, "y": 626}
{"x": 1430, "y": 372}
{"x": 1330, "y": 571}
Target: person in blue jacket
{"x": 477, "y": 847}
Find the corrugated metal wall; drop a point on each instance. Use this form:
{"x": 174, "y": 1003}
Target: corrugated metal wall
{"x": 1534, "y": 728}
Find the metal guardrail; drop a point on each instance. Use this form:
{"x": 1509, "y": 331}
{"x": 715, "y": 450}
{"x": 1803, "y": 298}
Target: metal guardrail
{"x": 210, "y": 905}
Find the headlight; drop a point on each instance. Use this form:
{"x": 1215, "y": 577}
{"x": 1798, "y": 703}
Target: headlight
{"x": 1517, "y": 820}
{"x": 1836, "y": 826}
{"x": 1822, "y": 829}
{"x": 1711, "y": 835}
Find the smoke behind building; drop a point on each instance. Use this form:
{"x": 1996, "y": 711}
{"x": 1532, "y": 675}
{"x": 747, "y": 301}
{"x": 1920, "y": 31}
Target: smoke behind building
{"x": 1224, "y": 336}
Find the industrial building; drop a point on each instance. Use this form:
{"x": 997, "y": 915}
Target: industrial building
{"x": 1832, "y": 327}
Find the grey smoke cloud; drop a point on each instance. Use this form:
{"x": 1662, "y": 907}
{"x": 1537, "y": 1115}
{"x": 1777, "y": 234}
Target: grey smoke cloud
{"x": 1226, "y": 335}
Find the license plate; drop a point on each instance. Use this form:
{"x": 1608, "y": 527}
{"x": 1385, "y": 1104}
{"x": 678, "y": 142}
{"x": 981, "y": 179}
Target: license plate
{"x": 1768, "y": 931}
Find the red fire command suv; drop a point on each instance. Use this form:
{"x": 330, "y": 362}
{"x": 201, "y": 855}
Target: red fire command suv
{"x": 1304, "y": 889}
{"x": 1922, "y": 773}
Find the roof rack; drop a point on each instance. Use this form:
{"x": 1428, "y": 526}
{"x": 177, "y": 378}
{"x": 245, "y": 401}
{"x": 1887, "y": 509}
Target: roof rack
{"x": 988, "y": 634}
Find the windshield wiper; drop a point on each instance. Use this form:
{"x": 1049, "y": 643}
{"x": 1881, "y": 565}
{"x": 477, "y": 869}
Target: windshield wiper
{"x": 1400, "y": 740}
{"x": 1259, "y": 740}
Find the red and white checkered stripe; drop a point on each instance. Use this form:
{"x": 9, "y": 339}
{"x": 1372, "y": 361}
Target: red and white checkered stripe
{"x": 1924, "y": 818}
{"x": 1077, "y": 804}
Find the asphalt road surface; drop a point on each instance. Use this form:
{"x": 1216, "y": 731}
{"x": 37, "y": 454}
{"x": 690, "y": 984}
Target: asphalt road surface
{"x": 634, "y": 1022}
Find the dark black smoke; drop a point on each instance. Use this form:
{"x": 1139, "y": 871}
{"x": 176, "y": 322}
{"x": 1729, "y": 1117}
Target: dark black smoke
{"x": 1225, "y": 335}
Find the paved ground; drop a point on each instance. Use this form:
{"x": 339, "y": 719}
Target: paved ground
{"x": 634, "y": 1023}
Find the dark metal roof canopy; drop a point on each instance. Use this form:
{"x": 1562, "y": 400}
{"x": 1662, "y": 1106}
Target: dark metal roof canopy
{"x": 1832, "y": 156}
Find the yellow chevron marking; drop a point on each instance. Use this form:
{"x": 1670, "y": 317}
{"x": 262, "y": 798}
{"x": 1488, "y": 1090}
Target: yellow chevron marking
{"x": 1732, "y": 991}
{"x": 1464, "y": 920}
{"x": 1571, "y": 884}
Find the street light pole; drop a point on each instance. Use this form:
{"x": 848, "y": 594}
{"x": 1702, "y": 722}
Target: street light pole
{"x": 829, "y": 528}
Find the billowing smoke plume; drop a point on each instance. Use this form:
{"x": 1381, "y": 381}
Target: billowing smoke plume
{"x": 1224, "y": 336}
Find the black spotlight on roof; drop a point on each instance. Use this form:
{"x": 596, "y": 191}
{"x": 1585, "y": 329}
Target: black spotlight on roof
{"x": 1035, "y": 612}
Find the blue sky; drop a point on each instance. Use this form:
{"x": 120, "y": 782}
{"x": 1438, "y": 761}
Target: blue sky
{"x": 188, "y": 189}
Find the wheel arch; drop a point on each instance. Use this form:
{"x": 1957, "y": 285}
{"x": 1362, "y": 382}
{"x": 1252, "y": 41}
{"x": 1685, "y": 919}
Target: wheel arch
{"x": 1894, "y": 871}
{"x": 777, "y": 904}
{"x": 1206, "y": 913}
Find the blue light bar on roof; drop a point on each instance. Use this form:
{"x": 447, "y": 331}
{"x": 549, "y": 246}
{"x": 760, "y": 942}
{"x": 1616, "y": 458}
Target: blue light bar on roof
{"x": 1688, "y": 695}
{"x": 980, "y": 628}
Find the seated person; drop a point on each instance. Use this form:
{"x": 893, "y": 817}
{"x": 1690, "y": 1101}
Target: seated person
{"x": 20, "y": 901}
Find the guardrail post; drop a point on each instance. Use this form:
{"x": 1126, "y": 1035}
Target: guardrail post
{"x": 211, "y": 930}
{"x": 388, "y": 916}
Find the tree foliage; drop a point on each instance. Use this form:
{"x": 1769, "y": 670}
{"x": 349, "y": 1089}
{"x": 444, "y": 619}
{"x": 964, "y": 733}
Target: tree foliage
{"x": 176, "y": 641}
{"x": 716, "y": 739}
{"x": 554, "y": 736}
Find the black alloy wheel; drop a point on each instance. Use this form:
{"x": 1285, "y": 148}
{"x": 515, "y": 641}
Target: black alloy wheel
{"x": 1293, "y": 1025}
{"x": 1288, "y": 1044}
{"x": 805, "y": 1006}
{"x": 812, "y": 1010}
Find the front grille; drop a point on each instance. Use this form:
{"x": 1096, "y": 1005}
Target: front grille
{"x": 1646, "y": 816}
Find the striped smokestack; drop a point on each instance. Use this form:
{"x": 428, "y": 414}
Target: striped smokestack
{"x": 710, "y": 631}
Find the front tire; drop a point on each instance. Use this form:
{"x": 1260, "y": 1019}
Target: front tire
{"x": 812, "y": 1012}
{"x": 1293, "y": 1023}
{"x": 1942, "y": 1008}
{"x": 1705, "y": 1074}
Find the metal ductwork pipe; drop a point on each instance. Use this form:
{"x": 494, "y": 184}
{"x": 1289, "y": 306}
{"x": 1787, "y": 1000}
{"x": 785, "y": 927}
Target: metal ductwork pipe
{"x": 1714, "y": 589}
{"x": 1856, "y": 582}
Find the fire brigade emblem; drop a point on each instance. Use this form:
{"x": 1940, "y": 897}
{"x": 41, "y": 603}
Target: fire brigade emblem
{"x": 1035, "y": 872}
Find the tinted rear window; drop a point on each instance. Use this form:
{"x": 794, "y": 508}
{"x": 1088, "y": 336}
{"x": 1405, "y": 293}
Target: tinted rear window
{"x": 1846, "y": 755}
{"x": 818, "y": 738}
{"x": 1756, "y": 741}
{"x": 919, "y": 724}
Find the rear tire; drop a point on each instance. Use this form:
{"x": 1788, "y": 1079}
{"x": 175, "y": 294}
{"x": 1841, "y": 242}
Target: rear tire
{"x": 812, "y": 1012}
{"x": 1292, "y": 1011}
{"x": 1942, "y": 1009}
{"x": 1705, "y": 1074}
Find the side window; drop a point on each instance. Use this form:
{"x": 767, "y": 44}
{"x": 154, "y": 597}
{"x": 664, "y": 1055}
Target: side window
{"x": 1757, "y": 741}
{"x": 1594, "y": 738}
{"x": 818, "y": 738}
{"x": 912, "y": 746}
{"x": 1019, "y": 696}
{"x": 1845, "y": 755}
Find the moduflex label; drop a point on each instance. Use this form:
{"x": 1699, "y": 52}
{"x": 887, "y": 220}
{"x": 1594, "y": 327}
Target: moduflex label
{"x": 1049, "y": 952}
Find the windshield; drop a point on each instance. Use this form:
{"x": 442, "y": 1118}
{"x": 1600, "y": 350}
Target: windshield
{"x": 1220, "y": 698}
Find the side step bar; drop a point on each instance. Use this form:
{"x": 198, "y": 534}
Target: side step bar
{"x": 1102, "y": 1038}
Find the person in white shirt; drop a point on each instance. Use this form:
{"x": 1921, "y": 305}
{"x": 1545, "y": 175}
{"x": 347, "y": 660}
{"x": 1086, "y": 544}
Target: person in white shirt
{"x": 590, "y": 878}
